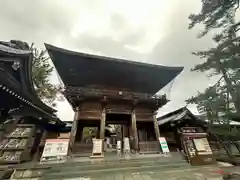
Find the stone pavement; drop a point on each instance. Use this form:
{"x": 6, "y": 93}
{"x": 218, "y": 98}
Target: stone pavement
{"x": 160, "y": 175}
{"x": 199, "y": 173}
{"x": 143, "y": 167}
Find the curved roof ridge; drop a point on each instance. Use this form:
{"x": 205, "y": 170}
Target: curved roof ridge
{"x": 13, "y": 51}
{"x": 120, "y": 60}
{"x": 25, "y": 83}
{"x": 85, "y": 70}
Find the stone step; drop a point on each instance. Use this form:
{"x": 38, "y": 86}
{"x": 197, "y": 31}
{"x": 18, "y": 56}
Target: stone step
{"x": 85, "y": 161}
{"x": 96, "y": 170}
{"x": 113, "y": 170}
{"x": 107, "y": 165}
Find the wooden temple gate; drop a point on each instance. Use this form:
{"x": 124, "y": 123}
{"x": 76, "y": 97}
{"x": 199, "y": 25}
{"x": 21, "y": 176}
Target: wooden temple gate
{"x": 105, "y": 91}
{"x": 139, "y": 123}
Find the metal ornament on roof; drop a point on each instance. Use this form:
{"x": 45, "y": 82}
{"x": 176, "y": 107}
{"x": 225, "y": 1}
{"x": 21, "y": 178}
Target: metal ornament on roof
{"x": 52, "y": 122}
{"x": 16, "y": 65}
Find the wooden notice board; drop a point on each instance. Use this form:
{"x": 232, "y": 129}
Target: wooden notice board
{"x": 196, "y": 147}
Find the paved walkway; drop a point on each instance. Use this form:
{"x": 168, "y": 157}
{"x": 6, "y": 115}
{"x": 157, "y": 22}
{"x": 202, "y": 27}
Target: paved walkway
{"x": 142, "y": 167}
{"x": 205, "y": 173}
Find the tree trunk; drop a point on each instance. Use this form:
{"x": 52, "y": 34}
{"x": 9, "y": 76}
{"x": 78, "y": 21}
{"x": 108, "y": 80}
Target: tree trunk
{"x": 236, "y": 145}
{"x": 229, "y": 89}
{"x": 229, "y": 153}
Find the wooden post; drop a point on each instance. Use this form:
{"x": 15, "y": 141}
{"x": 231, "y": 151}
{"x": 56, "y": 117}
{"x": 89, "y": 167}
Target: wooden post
{"x": 79, "y": 132}
{"x": 134, "y": 131}
{"x": 74, "y": 129}
{"x": 156, "y": 128}
{"x": 102, "y": 124}
{"x": 125, "y": 130}
{"x": 122, "y": 137}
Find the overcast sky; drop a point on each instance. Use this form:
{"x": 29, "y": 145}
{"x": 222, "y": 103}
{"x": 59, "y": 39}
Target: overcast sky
{"x": 153, "y": 31}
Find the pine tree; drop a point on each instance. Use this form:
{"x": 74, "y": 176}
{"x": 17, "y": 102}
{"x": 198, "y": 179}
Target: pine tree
{"x": 215, "y": 14}
{"x": 224, "y": 58}
{"x": 41, "y": 71}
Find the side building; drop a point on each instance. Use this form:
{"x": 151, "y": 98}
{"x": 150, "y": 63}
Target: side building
{"x": 22, "y": 112}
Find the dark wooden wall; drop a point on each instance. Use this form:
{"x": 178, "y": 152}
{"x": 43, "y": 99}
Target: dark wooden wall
{"x": 92, "y": 110}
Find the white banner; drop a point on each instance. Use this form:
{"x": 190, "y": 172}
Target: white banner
{"x": 55, "y": 147}
{"x": 164, "y": 144}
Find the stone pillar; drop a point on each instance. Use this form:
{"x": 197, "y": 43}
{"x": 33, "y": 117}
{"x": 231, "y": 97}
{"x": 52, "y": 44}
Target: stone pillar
{"x": 156, "y": 128}
{"x": 102, "y": 124}
{"x": 134, "y": 131}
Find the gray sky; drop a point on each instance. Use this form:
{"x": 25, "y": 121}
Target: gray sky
{"x": 153, "y": 31}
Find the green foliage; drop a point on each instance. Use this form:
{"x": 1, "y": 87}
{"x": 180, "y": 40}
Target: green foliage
{"x": 214, "y": 14}
{"x": 41, "y": 71}
{"x": 221, "y": 60}
{"x": 216, "y": 103}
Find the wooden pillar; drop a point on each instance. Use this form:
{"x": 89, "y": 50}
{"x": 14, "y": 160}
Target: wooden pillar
{"x": 134, "y": 131}
{"x": 156, "y": 128}
{"x": 98, "y": 132}
{"x": 122, "y": 137}
{"x": 125, "y": 130}
{"x": 79, "y": 133}
{"x": 74, "y": 128}
{"x": 102, "y": 124}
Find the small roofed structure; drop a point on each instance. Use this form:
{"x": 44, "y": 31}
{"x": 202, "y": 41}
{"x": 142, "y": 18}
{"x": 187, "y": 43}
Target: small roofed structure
{"x": 105, "y": 91}
{"x": 182, "y": 115}
{"x": 16, "y": 86}
{"x": 171, "y": 123}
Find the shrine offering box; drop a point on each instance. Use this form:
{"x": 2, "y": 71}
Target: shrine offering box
{"x": 196, "y": 146}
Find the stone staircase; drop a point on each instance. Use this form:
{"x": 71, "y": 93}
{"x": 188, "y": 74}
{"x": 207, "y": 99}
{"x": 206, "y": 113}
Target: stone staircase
{"x": 96, "y": 168}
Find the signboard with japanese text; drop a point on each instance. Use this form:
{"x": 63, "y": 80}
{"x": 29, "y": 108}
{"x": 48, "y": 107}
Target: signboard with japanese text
{"x": 164, "y": 145}
{"x": 97, "y": 146}
{"x": 55, "y": 147}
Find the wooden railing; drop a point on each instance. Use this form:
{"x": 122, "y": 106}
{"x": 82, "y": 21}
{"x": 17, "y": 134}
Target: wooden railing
{"x": 94, "y": 92}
